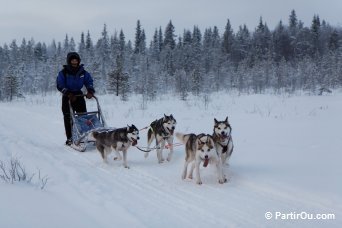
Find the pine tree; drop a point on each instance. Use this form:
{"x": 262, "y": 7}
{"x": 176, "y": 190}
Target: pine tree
{"x": 293, "y": 22}
{"x": 114, "y": 47}
{"x": 38, "y": 51}
{"x": 72, "y": 45}
{"x": 104, "y": 44}
{"x": 243, "y": 42}
{"x": 10, "y": 84}
{"x": 66, "y": 47}
{"x": 118, "y": 80}
{"x": 169, "y": 35}
{"x": 89, "y": 43}
{"x": 333, "y": 41}
{"x": 315, "y": 34}
{"x": 261, "y": 42}
{"x": 102, "y": 54}
{"x": 281, "y": 43}
{"x": 228, "y": 39}
{"x": 187, "y": 61}
{"x": 89, "y": 54}
{"x": 14, "y": 51}
{"x": 294, "y": 27}
{"x": 197, "y": 45}
{"x": 137, "y": 42}
{"x": 160, "y": 39}
{"x": 142, "y": 47}
{"x": 122, "y": 42}
{"x": 155, "y": 51}
{"x": 208, "y": 50}
{"x": 82, "y": 46}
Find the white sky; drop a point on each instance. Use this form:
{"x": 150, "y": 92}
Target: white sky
{"x": 45, "y": 20}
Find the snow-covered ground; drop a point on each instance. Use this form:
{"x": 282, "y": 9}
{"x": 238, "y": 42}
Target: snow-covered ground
{"x": 287, "y": 159}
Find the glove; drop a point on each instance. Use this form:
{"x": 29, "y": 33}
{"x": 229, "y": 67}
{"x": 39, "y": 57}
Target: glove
{"x": 89, "y": 95}
{"x": 72, "y": 97}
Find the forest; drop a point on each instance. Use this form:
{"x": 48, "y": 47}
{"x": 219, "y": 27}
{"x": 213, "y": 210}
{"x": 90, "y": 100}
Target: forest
{"x": 291, "y": 57}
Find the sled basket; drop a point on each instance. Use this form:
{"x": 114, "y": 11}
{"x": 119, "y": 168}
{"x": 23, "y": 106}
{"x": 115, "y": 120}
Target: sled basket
{"x": 84, "y": 123}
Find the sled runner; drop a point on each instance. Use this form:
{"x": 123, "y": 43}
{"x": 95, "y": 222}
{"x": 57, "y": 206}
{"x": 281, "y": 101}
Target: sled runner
{"x": 83, "y": 124}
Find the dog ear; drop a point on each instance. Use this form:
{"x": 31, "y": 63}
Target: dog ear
{"x": 215, "y": 121}
{"x": 128, "y": 127}
{"x": 199, "y": 143}
{"x": 226, "y": 120}
{"x": 171, "y": 116}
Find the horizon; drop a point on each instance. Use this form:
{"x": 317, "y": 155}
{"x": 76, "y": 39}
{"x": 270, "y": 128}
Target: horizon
{"x": 43, "y": 21}
{"x": 149, "y": 38}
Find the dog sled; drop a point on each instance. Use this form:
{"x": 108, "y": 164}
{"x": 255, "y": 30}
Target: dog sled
{"x": 84, "y": 123}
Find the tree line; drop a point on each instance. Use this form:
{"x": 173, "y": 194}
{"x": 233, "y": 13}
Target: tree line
{"x": 289, "y": 58}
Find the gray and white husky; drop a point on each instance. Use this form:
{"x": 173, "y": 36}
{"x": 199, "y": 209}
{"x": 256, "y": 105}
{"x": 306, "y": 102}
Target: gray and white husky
{"x": 119, "y": 139}
{"x": 162, "y": 131}
{"x": 200, "y": 148}
{"x": 222, "y": 136}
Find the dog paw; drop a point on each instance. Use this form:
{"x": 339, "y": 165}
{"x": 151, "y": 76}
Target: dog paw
{"x": 199, "y": 182}
{"x": 190, "y": 176}
{"x": 221, "y": 181}
{"x": 126, "y": 166}
{"x": 117, "y": 158}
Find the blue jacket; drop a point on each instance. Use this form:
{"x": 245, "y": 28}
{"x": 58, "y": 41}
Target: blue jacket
{"x": 68, "y": 82}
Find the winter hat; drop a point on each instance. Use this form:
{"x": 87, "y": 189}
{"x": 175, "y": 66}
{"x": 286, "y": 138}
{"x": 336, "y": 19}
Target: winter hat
{"x": 73, "y": 55}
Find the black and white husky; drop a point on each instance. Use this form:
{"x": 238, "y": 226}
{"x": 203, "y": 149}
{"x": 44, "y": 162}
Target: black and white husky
{"x": 223, "y": 139}
{"x": 119, "y": 139}
{"x": 162, "y": 131}
{"x": 200, "y": 148}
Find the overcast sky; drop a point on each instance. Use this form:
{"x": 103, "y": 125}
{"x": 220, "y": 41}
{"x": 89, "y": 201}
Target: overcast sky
{"x": 45, "y": 20}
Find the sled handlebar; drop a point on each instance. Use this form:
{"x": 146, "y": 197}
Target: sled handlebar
{"x": 83, "y": 95}
{"x": 99, "y": 111}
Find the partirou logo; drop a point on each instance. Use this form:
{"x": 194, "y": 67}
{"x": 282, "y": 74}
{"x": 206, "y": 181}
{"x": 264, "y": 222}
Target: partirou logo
{"x": 299, "y": 216}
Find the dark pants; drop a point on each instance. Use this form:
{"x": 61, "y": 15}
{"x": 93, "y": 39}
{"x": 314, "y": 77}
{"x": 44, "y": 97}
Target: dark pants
{"x": 78, "y": 105}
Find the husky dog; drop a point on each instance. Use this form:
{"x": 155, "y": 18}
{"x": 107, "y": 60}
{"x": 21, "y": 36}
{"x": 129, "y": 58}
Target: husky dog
{"x": 200, "y": 148}
{"x": 119, "y": 139}
{"x": 162, "y": 131}
{"x": 223, "y": 139}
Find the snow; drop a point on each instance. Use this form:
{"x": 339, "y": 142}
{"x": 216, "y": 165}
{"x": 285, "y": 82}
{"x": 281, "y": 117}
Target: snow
{"x": 286, "y": 159}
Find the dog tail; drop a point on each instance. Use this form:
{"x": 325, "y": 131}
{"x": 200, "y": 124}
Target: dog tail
{"x": 150, "y": 138}
{"x": 182, "y": 137}
{"x": 149, "y": 135}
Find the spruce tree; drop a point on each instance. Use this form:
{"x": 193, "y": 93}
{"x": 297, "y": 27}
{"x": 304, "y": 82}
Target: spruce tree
{"x": 137, "y": 41}
{"x": 122, "y": 42}
{"x": 10, "y": 84}
{"x": 82, "y": 46}
{"x": 228, "y": 39}
{"x": 333, "y": 41}
{"x": 169, "y": 35}
{"x": 66, "y": 47}
{"x": 293, "y": 21}
{"x": 315, "y": 34}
